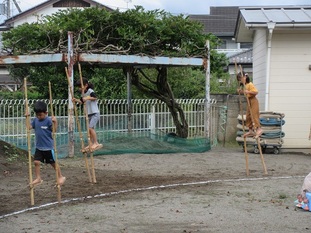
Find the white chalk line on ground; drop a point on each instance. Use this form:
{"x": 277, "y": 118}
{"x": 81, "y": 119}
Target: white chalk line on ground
{"x": 146, "y": 189}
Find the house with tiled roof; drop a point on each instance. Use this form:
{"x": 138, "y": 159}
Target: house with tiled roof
{"x": 281, "y": 39}
{"x": 221, "y": 22}
{"x": 245, "y": 59}
{"x": 35, "y": 14}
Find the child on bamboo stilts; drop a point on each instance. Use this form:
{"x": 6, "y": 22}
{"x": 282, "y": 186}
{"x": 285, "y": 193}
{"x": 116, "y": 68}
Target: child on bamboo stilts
{"x": 252, "y": 112}
{"x": 43, "y": 126}
{"x": 89, "y": 98}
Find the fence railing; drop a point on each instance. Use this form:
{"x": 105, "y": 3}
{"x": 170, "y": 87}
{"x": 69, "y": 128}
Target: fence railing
{"x": 147, "y": 115}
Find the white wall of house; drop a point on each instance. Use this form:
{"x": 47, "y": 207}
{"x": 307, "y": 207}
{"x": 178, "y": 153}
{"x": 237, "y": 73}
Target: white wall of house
{"x": 290, "y": 84}
{"x": 231, "y": 44}
{"x": 290, "y": 81}
{"x": 37, "y": 15}
{"x": 259, "y": 65}
{"x": 4, "y": 70}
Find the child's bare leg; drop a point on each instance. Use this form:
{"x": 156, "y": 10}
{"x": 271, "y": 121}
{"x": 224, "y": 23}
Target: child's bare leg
{"x": 38, "y": 179}
{"x": 90, "y": 145}
{"x": 61, "y": 179}
{"x": 249, "y": 133}
{"x": 93, "y": 137}
{"x": 258, "y": 132}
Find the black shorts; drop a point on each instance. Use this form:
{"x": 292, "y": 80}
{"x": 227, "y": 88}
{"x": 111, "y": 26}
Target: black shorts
{"x": 45, "y": 156}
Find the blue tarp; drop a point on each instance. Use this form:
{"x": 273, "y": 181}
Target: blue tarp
{"x": 267, "y": 134}
{"x": 272, "y": 121}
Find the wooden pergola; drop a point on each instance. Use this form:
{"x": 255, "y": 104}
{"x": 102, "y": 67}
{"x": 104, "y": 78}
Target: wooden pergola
{"x": 110, "y": 61}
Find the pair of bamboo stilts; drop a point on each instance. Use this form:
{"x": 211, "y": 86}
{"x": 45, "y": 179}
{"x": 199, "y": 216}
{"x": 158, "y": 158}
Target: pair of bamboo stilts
{"x": 243, "y": 123}
{"x": 92, "y": 178}
{"x": 32, "y": 202}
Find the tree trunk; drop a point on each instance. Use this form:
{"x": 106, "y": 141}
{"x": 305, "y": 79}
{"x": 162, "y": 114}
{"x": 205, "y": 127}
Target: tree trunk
{"x": 160, "y": 89}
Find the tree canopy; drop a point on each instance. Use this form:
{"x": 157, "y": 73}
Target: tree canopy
{"x": 135, "y": 31}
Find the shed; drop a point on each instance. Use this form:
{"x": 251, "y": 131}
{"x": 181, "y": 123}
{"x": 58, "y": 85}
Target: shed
{"x": 281, "y": 39}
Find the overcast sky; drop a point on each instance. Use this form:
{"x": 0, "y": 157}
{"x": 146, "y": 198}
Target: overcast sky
{"x": 173, "y": 6}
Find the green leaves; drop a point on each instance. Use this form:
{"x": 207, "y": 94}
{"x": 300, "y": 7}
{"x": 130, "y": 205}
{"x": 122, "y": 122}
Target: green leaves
{"x": 25, "y": 38}
{"x": 136, "y": 31}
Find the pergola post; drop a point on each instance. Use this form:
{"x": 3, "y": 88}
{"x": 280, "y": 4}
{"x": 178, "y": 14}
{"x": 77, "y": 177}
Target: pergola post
{"x": 129, "y": 100}
{"x": 207, "y": 93}
{"x": 70, "y": 62}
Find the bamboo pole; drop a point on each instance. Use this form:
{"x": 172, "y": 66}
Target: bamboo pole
{"x": 87, "y": 127}
{"x": 59, "y": 196}
{"x": 257, "y": 138}
{"x": 32, "y": 200}
{"x": 79, "y": 127}
{"x": 243, "y": 127}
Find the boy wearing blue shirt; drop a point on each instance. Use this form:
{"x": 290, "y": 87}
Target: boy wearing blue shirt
{"x": 43, "y": 126}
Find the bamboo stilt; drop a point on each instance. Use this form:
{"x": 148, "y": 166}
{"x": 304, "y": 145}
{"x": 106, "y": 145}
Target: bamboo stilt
{"x": 59, "y": 196}
{"x": 87, "y": 126}
{"x": 79, "y": 128}
{"x": 243, "y": 126}
{"x": 32, "y": 200}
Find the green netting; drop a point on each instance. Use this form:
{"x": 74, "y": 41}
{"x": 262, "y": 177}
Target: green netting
{"x": 121, "y": 143}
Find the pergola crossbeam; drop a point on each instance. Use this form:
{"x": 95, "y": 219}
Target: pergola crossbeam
{"x": 108, "y": 60}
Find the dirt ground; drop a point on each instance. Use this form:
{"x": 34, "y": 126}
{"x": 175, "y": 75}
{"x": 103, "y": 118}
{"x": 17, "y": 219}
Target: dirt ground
{"x": 195, "y": 192}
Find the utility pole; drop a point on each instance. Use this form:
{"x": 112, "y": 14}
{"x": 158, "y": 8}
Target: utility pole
{"x": 17, "y": 6}
{"x": 5, "y": 8}
{"x": 8, "y": 9}
{"x": 127, "y": 3}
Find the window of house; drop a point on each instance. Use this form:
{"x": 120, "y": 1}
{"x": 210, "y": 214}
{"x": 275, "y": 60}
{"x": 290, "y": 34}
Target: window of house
{"x": 246, "y": 45}
{"x": 223, "y": 45}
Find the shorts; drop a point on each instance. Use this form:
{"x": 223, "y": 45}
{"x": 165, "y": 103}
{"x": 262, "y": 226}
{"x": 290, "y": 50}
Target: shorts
{"x": 45, "y": 156}
{"x": 93, "y": 119}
